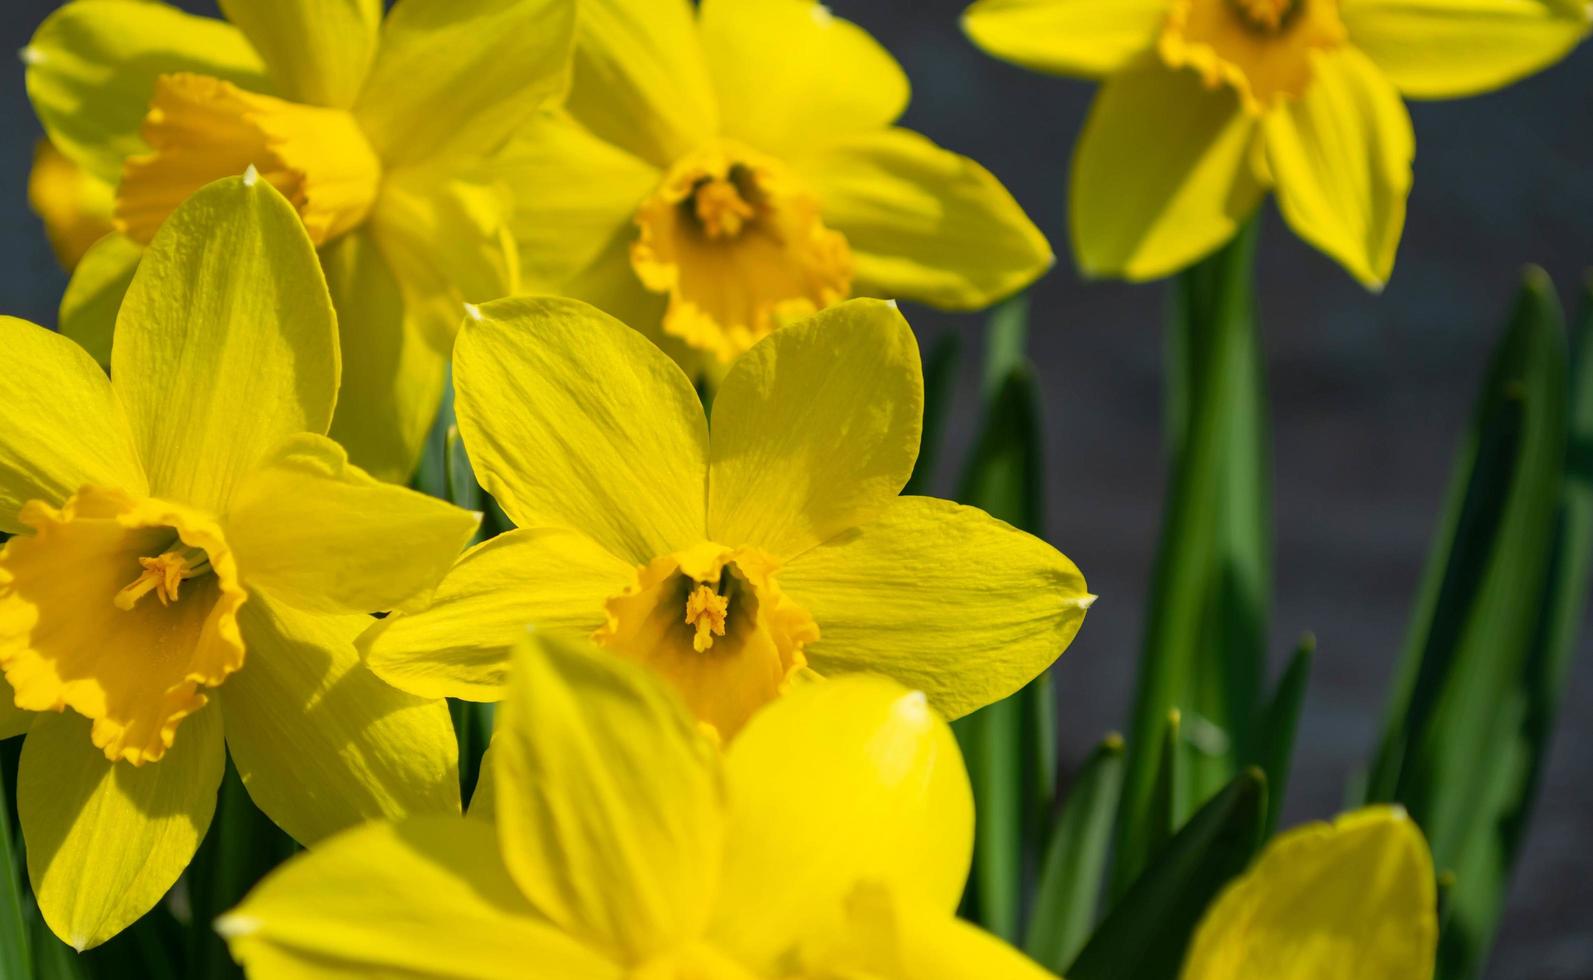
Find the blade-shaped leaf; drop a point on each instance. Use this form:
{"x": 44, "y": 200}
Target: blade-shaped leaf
{"x": 1274, "y": 744}
{"x": 16, "y": 959}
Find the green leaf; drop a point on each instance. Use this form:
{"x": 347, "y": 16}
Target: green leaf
{"x": 1145, "y": 934}
{"x": 55, "y": 960}
{"x": 1170, "y": 801}
{"x": 1205, "y": 641}
{"x": 1274, "y": 745}
{"x": 940, "y": 386}
{"x": 1075, "y": 860}
{"x": 16, "y": 959}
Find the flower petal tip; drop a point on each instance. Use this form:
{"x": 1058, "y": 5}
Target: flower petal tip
{"x": 233, "y": 926}
{"x": 30, "y": 55}
{"x": 251, "y": 176}
{"x": 473, "y": 312}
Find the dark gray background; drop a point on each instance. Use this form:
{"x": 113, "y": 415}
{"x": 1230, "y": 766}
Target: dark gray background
{"x": 1368, "y": 395}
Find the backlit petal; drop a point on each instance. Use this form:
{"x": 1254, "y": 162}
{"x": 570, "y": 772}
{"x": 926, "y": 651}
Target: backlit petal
{"x": 788, "y": 72}
{"x": 1341, "y": 157}
{"x": 73, "y": 204}
{"x": 1161, "y": 174}
{"x": 427, "y": 897}
{"x": 942, "y": 597}
{"x": 226, "y": 341}
{"x": 106, "y": 840}
{"x": 320, "y": 534}
{"x": 610, "y": 805}
{"x": 317, "y": 51}
{"x": 1440, "y": 49}
{"x": 924, "y": 223}
{"x": 815, "y": 429}
{"x": 321, "y": 743}
{"x": 848, "y": 781}
{"x": 61, "y": 425}
{"x": 455, "y": 77}
{"x": 574, "y": 420}
{"x": 898, "y": 935}
{"x": 552, "y": 579}
{"x": 1351, "y": 900}
{"x": 92, "y": 67}
{"x": 1089, "y": 38}
{"x": 94, "y": 294}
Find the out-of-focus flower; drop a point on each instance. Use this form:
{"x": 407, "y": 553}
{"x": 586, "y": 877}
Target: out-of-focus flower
{"x": 189, "y": 547}
{"x": 831, "y": 840}
{"x": 1207, "y": 104}
{"x": 374, "y": 128}
{"x": 736, "y": 557}
{"x": 74, "y": 205}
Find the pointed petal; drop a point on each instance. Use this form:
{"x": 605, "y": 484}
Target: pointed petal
{"x": 1363, "y": 883}
{"x": 106, "y": 840}
{"x": 323, "y": 536}
{"x": 226, "y": 341}
{"x": 1088, "y": 38}
{"x": 789, "y": 72}
{"x": 551, "y": 579}
{"x": 838, "y": 783}
{"x": 61, "y": 425}
{"x": 94, "y": 294}
{"x": 320, "y": 742}
{"x": 1161, "y": 174}
{"x": 92, "y": 67}
{"x": 427, "y": 897}
{"x": 943, "y": 598}
{"x": 1341, "y": 157}
{"x": 317, "y": 51}
{"x": 815, "y": 429}
{"x": 610, "y": 804}
{"x": 1439, "y": 49}
{"x": 456, "y": 77}
{"x": 924, "y": 223}
{"x": 574, "y": 420}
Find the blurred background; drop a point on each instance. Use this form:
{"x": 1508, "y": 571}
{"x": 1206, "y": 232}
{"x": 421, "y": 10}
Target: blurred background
{"x": 1369, "y": 395}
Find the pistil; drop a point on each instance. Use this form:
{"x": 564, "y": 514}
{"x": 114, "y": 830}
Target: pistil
{"x": 164, "y": 575}
{"x": 706, "y": 611}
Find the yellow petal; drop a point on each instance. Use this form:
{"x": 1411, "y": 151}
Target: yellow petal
{"x": 321, "y": 535}
{"x": 574, "y": 420}
{"x": 1351, "y": 900}
{"x": 815, "y": 429}
{"x": 454, "y": 78}
{"x": 924, "y": 223}
{"x": 394, "y": 359}
{"x": 317, "y": 51}
{"x": 1161, "y": 173}
{"x": 61, "y": 425}
{"x": 427, "y": 897}
{"x": 942, "y": 597}
{"x": 14, "y": 721}
{"x": 1341, "y": 157}
{"x": 640, "y": 79}
{"x": 74, "y": 205}
{"x": 578, "y": 193}
{"x": 788, "y": 72}
{"x": 838, "y": 783}
{"x": 106, "y": 840}
{"x": 1440, "y": 49}
{"x": 552, "y": 579}
{"x": 226, "y": 341}
{"x": 92, "y": 67}
{"x": 320, "y": 742}
{"x": 1089, "y": 38}
{"x": 610, "y": 805}
{"x": 94, "y": 294}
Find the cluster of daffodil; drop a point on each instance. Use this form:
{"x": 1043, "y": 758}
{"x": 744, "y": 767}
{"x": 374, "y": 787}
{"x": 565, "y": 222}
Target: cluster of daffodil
{"x": 725, "y": 644}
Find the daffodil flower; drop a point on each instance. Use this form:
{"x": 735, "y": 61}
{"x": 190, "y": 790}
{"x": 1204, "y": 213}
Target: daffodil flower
{"x": 74, "y": 205}
{"x": 375, "y": 128}
{"x": 737, "y": 557}
{"x": 726, "y": 167}
{"x": 192, "y": 561}
{"x": 1350, "y": 900}
{"x": 831, "y": 840}
{"x": 1205, "y": 105}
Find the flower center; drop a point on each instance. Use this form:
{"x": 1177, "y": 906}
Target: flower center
{"x": 739, "y": 246}
{"x": 1262, "y": 48}
{"x": 202, "y": 129}
{"x": 164, "y": 575}
{"x": 705, "y": 612}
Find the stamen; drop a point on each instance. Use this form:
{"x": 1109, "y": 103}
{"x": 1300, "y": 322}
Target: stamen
{"x": 706, "y": 610}
{"x": 1266, "y": 15}
{"x": 164, "y": 575}
{"x": 720, "y": 208}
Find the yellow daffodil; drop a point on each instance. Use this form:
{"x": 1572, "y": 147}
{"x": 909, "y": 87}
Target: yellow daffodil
{"x": 735, "y": 557}
{"x": 831, "y": 840}
{"x": 1207, "y": 104}
{"x": 375, "y": 128}
{"x": 74, "y": 205}
{"x": 1350, "y": 900}
{"x": 729, "y": 166}
{"x": 192, "y": 561}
